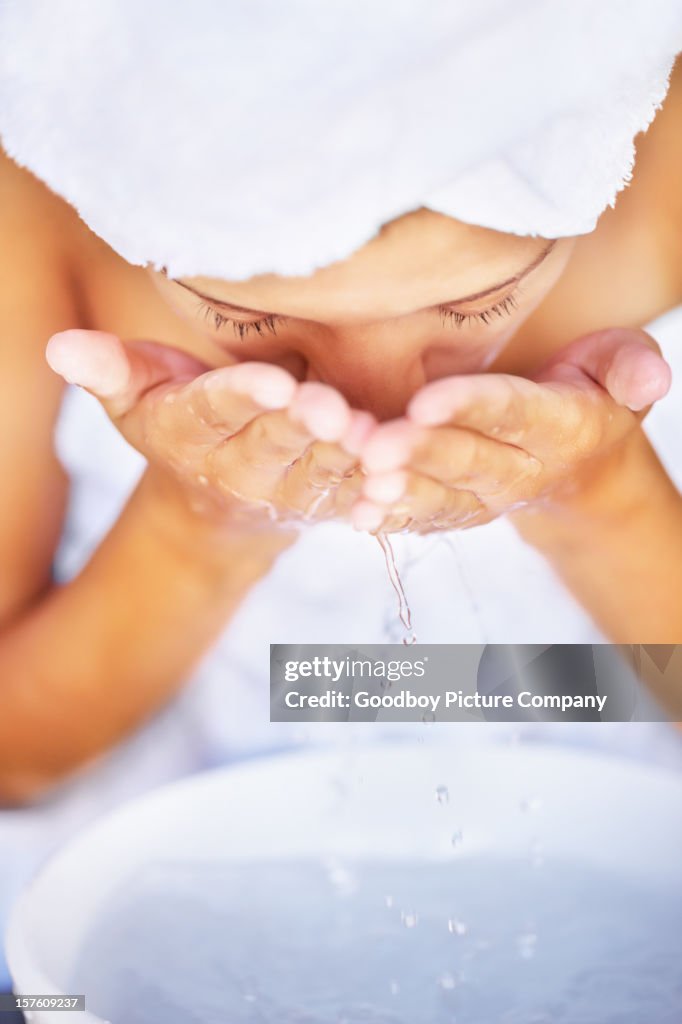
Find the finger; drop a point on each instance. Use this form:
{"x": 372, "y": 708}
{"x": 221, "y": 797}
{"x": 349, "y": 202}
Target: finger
{"x": 220, "y": 403}
{"x": 369, "y": 517}
{"x": 406, "y": 493}
{"x": 558, "y": 420}
{"x": 390, "y": 445}
{"x": 465, "y": 459}
{"x": 497, "y": 405}
{"x": 322, "y": 409}
{"x": 117, "y": 374}
{"x": 252, "y": 464}
{"x": 454, "y": 457}
{"x": 344, "y": 496}
{"x": 625, "y": 362}
{"x": 312, "y": 477}
{"x": 361, "y": 426}
{"x": 394, "y": 501}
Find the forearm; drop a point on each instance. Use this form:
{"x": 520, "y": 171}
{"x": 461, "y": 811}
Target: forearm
{"x": 101, "y": 653}
{"x": 616, "y": 541}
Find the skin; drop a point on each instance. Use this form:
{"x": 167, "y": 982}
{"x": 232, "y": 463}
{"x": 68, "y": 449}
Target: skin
{"x": 324, "y": 369}
{"x": 367, "y": 404}
{"x": 467, "y": 449}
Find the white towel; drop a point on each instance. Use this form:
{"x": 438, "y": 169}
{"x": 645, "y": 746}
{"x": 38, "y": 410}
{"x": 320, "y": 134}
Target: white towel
{"x": 233, "y": 137}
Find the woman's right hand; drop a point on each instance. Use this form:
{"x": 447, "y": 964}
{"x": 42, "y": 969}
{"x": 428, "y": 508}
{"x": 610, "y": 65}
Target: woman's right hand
{"x": 247, "y": 444}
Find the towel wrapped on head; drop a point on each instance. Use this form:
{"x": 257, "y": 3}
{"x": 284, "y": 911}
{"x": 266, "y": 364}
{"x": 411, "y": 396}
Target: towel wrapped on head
{"x": 234, "y": 138}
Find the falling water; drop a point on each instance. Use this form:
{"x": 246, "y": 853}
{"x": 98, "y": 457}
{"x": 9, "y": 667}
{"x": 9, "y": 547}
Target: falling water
{"x": 315, "y": 503}
{"x": 404, "y": 613}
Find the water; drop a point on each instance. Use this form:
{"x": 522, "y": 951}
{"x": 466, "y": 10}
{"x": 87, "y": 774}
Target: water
{"x": 404, "y": 613}
{"x": 489, "y": 941}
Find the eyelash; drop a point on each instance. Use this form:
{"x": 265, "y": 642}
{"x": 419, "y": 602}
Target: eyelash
{"x": 242, "y": 328}
{"x": 504, "y": 307}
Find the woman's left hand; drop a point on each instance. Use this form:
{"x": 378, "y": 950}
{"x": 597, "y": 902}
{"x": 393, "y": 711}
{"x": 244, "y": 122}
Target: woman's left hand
{"x": 472, "y": 448}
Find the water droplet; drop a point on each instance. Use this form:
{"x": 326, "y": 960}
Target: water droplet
{"x": 409, "y": 918}
{"x": 442, "y": 794}
{"x": 457, "y": 838}
{"x": 343, "y": 880}
{"x": 457, "y": 927}
{"x": 388, "y": 901}
{"x": 526, "y": 944}
{"x": 529, "y": 805}
{"x": 447, "y": 981}
{"x": 394, "y": 988}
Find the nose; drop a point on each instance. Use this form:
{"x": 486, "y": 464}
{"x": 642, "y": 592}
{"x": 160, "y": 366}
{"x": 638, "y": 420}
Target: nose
{"x": 369, "y": 371}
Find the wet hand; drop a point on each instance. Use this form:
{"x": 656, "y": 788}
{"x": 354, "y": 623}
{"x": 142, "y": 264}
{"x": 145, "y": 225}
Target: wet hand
{"x": 244, "y": 443}
{"x": 472, "y": 448}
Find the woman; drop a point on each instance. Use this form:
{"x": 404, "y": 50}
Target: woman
{"x": 428, "y": 379}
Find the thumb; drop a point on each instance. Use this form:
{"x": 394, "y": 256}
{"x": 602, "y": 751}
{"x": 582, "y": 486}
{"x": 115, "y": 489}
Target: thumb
{"x": 119, "y": 375}
{"x": 625, "y": 362}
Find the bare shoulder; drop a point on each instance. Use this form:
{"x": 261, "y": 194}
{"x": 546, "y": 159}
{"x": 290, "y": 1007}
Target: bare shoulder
{"x": 37, "y": 293}
{"x": 658, "y": 178}
{"x": 36, "y": 227}
{"x": 628, "y": 271}
{"x": 37, "y": 298}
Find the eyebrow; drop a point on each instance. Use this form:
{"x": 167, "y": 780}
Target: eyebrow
{"x": 453, "y": 302}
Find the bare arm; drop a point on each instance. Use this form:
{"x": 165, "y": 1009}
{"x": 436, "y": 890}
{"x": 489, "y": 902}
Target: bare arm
{"x": 617, "y": 543}
{"x": 83, "y": 664}
{"x": 95, "y": 657}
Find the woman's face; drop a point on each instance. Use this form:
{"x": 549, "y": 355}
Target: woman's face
{"x": 427, "y": 297}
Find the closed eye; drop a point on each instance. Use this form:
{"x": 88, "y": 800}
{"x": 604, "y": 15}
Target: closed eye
{"x": 241, "y": 327}
{"x": 270, "y": 322}
{"x": 458, "y": 317}
{"x": 212, "y": 310}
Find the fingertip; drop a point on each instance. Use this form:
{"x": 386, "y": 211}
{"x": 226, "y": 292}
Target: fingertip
{"x": 361, "y": 425}
{"x": 434, "y": 404}
{"x": 322, "y": 410}
{"x": 390, "y": 446}
{"x": 93, "y": 360}
{"x": 647, "y": 392}
{"x": 638, "y": 378}
{"x": 272, "y": 387}
{"x": 385, "y": 488}
{"x": 366, "y": 517}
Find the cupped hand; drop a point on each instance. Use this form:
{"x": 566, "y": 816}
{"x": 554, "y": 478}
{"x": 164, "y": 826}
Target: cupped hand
{"x": 245, "y": 443}
{"x": 472, "y": 448}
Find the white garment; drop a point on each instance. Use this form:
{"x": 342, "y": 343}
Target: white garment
{"x": 234, "y": 138}
{"x": 482, "y": 585}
